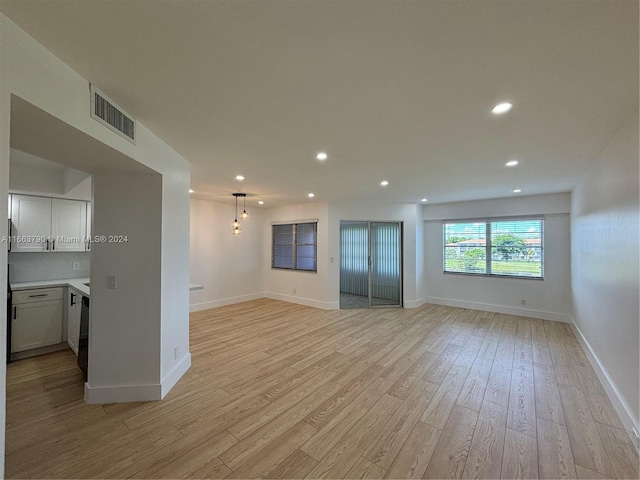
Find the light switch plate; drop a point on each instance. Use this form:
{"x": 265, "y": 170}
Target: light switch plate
{"x": 75, "y": 266}
{"x": 112, "y": 281}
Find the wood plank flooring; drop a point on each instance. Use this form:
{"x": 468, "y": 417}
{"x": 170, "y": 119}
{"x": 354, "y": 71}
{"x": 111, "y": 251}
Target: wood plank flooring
{"x": 278, "y": 390}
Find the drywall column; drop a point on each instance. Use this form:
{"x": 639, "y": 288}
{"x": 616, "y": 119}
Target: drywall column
{"x": 5, "y": 115}
{"x": 124, "y": 342}
{"x": 605, "y": 268}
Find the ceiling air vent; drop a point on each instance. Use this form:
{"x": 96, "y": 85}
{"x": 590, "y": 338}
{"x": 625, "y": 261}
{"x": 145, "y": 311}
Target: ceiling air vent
{"x": 108, "y": 113}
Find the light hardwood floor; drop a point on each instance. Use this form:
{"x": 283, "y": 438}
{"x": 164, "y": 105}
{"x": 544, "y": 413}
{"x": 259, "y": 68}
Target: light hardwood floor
{"x": 278, "y": 390}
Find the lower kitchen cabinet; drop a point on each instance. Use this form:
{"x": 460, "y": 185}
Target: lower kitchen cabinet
{"x": 74, "y": 310}
{"x": 36, "y": 319}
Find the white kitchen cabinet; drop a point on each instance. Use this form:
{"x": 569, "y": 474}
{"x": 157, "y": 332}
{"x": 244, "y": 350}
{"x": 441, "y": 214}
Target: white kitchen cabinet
{"x": 42, "y": 224}
{"x": 68, "y": 225}
{"x": 74, "y": 310}
{"x": 36, "y": 320}
{"x": 30, "y": 223}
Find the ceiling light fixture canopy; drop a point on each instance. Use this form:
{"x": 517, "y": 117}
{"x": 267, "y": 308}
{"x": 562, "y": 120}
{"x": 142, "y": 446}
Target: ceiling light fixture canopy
{"x": 511, "y": 163}
{"x": 236, "y": 224}
{"x": 321, "y": 156}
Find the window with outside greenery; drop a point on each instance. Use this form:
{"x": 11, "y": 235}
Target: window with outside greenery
{"x": 294, "y": 246}
{"x": 511, "y": 248}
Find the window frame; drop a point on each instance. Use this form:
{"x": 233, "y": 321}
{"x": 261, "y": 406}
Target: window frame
{"x": 488, "y": 246}
{"x": 294, "y": 245}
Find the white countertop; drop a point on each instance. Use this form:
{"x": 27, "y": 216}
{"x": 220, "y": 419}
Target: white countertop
{"x": 76, "y": 283}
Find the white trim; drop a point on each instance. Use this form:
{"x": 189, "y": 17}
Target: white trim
{"x": 309, "y": 302}
{"x": 625, "y": 412}
{"x": 196, "y": 307}
{"x": 291, "y": 222}
{"x": 176, "y": 373}
{"x": 122, "y": 393}
{"x": 487, "y": 307}
{"x": 415, "y": 303}
{"x": 137, "y": 393}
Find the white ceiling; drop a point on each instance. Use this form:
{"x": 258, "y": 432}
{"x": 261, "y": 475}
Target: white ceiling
{"x": 396, "y": 90}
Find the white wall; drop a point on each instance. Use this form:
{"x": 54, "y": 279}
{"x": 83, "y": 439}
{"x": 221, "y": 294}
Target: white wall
{"x": 311, "y": 288}
{"x": 33, "y": 175}
{"x": 30, "y": 72}
{"x": 5, "y": 115}
{"x": 229, "y": 267}
{"x": 548, "y": 299}
{"x": 605, "y": 273}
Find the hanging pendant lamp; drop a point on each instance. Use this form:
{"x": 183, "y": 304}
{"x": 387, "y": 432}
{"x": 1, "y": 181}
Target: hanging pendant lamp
{"x": 236, "y": 224}
{"x": 244, "y": 213}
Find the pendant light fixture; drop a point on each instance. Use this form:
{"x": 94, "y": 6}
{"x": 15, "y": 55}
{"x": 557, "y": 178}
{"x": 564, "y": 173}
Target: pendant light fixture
{"x": 244, "y": 213}
{"x": 236, "y": 224}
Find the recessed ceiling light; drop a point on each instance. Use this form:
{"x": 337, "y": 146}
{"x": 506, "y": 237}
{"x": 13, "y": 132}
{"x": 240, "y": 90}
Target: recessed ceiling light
{"x": 260, "y": 202}
{"x": 423, "y": 200}
{"x": 517, "y": 190}
{"x": 190, "y": 190}
{"x": 311, "y": 195}
{"x": 384, "y": 183}
{"x": 239, "y": 177}
{"x": 501, "y": 108}
{"x": 321, "y": 156}
{"x": 511, "y": 163}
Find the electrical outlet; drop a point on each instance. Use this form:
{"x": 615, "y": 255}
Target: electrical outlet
{"x": 75, "y": 266}
{"x": 330, "y": 259}
{"x": 523, "y": 303}
{"x": 112, "y": 281}
{"x": 176, "y": 352}
{"x": 294, "y": 290}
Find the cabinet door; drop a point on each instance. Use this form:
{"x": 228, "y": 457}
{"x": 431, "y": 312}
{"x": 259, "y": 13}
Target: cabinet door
{"x": 35, "y": 325}
{"x": 74, "y": 306}
{"x": 31, "y": 223}
{"x": 68, "y": 225}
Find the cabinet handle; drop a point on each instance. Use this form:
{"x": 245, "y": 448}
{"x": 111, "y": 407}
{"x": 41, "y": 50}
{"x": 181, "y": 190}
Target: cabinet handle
{"x": 47, "y": 244}
{"x": 73, "y": 299}
{"x": 39, "y": 295}
{"x": 15, "y": 312}
{"x": 53, "y": 244}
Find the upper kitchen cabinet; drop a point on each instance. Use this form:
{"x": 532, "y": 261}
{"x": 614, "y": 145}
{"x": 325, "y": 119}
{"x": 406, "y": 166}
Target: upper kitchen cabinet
{"x": 68, "y": 225}
{"x": 30, "y": 223}
{"x": 42, "y": 224}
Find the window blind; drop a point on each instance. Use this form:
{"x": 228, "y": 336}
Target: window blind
{"x": 511, "y": 248}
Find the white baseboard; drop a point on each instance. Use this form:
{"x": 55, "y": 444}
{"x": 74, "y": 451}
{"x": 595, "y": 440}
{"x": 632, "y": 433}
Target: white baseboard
{"x": 309, "y": 302}
{"x": 122, "y": 393}
{"x": 487, "y": 307}
{"x": 414, "y": 303}
{"x": 195, "y": 307}
{"x": 176, "y": 373}
{"x": 137, "y": 393}
{"x": 625, "y": 412}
